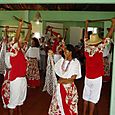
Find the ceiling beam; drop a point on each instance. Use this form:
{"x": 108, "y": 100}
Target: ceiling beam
{"x": 57, "y": 1}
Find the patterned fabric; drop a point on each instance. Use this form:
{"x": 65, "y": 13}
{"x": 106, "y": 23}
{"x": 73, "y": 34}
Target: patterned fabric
{"x": 50, "y": 79}
{"x": 5, "y": 92}
{"x": 106, "y": 67}
{"x": 69, "y": 100}
{"x": 106, "y": 56}
{"x": 65, "y": 98}
{"x": 2, "y": 58}
{"x": 33, "y": 75}
{"x": 93, "y": 49}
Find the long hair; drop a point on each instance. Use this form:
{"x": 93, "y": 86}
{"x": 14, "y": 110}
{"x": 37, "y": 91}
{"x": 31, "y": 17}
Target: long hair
{"x": 71, "y": 48}
{"x": 36, "y": 42}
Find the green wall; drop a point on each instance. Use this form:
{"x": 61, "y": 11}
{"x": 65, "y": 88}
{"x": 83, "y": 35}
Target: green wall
{"x": 7, "y": 19}
{"x": 8, "y": 15}
{"x": 72, "y": 18}
{"x": 72, "y": 15}
{"x": 67, "y": 18}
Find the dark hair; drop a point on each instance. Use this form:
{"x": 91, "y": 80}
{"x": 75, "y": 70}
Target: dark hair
{"x": 71, "y": 48}
{"x": 36, "y": 42}
{"x": 89, "y": 33}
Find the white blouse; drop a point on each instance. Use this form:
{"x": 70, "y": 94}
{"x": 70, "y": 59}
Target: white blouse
{"x": 74, "y": 68}
{"x": 33, "y": 52}
{"x": 56, "y": 57}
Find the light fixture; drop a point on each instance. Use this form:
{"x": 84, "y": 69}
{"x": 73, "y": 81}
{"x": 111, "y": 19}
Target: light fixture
{"x": 37, "y": 21}
{"x": 38, "y": 18}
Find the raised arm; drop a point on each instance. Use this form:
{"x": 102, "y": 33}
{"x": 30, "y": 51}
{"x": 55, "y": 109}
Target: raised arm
{"x": 29, "y": 32}
{"x": 18, "y": 31}
{"x": 6, "y": 32}
{"x": 86, "y": 30}
{"x": 109, "y": 34}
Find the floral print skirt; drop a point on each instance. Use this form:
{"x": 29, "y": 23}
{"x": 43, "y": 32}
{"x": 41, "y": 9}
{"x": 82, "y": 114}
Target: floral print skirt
{"x": 33, "y": 75}
{"x": 64, "y": 100}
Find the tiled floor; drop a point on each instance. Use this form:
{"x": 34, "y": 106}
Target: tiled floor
{"x": 37, "y": 102}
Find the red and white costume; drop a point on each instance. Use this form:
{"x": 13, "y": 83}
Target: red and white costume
{"x": 18, "y": 85}
{"x": 33, "y": 75}
{"x": 94, "y": 70}
{"x": 65, "y": 98}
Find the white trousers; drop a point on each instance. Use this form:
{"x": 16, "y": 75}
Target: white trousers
{"x": 18, "y": 92}
{"x": 92, "y": 89}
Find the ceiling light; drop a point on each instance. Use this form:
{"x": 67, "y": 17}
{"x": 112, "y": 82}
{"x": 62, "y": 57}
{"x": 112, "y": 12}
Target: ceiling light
{"x": 38, "y": 18}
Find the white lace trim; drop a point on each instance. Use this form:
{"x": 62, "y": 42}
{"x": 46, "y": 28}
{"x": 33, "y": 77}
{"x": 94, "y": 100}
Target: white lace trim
{"x": 93, "y": 49}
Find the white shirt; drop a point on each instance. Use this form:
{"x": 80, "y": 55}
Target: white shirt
{"x": 74, "y": 68}
{"x": 56, "y": 57}
{"x": 33, "y": 52}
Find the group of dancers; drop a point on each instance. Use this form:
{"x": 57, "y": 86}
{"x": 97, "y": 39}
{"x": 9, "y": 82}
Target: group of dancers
{"x": 19, "y": 68}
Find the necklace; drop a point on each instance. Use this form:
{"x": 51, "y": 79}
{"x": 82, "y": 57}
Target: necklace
{"x": 63, "y": 64}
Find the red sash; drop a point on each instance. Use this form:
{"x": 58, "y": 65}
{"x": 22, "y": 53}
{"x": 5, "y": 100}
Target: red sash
{"x": 66, "y": 106}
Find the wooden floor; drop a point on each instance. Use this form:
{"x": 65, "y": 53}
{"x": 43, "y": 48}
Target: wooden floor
{"x": 37, "y": 102}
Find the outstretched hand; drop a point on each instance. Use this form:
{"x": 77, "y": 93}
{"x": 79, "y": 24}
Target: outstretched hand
{"x": 20, "y": 21}
{"x": 6, "y": 27}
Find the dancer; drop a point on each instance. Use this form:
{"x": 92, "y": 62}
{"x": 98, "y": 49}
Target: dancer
{"x": 65, "y": 98}
{"x": 33, "y": 55}
{"x": 17, "y": 65}
{"x": 2, "y": 56}
{"x": 94, "y": 68}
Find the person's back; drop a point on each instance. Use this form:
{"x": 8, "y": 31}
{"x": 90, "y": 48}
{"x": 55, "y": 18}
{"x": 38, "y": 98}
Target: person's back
{"x": 93, "y": 49}
{"x": 19, "y": 65}
{"x": 94, "y": 63}
{"x": 33, "y": 55}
